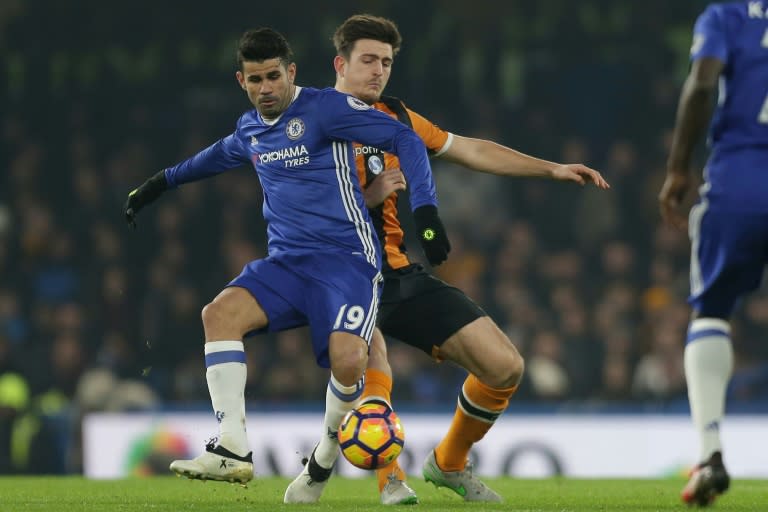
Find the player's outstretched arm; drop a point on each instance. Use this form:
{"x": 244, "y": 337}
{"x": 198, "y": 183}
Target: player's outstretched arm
{"x": 144, "y": 195}
{"x": 579, "y": 173}
{"x": 219, "y": 157}
{"x": 693, "y": 113}
{"x": 487, "y": 156}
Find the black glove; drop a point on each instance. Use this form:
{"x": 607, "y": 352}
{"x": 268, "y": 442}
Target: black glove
{"x": 142, "y": 196}
{"x": 432, "y": 235}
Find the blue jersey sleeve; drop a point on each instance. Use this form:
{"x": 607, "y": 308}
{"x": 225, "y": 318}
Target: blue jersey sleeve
{"x": 219, "y": 157}
{"x": 710, "y": 35}
{"x": 347, "y": 118}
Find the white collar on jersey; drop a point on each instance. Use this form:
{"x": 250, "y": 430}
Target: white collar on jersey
{"x": 296, "y": 91}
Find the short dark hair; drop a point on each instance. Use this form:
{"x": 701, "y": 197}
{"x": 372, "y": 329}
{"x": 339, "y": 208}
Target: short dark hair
{"x": 366, "y": 26}
{"x": 263, "y": 44}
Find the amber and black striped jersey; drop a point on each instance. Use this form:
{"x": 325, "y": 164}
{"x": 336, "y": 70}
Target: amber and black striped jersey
{"x": 372, "y": 161}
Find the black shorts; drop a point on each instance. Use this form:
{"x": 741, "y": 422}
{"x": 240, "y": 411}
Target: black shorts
{"x": 421, "y": 310}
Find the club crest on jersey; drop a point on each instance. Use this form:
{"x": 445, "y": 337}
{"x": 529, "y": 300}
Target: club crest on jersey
{"x": 375, "y": 165}
{"x": 294, "y": 128}
{"x": 357, "y": 104}
{"x": 254, "y": 140}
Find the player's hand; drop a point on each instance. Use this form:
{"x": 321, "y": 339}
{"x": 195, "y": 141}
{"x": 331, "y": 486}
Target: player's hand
{"x": 142, "y": 196}
{"x": 432, "y": 235}
{"x": 671, "y": 197}
{"x": 381, "y": 187}
{"x": 579, "y": 173}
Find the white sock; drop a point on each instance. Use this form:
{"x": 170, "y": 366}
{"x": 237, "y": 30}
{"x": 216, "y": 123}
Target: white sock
{"x": 226, "y": 375}
{"x": 339, "y": 399}
{"x": 708, "y": 367}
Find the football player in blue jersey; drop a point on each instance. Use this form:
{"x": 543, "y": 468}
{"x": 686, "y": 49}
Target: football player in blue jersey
{"x": 323, "y": 264}
{"x": 728, "y": 226}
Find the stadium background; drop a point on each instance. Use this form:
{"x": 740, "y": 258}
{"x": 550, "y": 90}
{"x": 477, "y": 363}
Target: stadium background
{"x": 94, "y": 99}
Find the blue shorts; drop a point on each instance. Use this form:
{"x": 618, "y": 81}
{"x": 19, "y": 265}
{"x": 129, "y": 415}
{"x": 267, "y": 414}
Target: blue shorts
{"x": 729, "y": 250}
{"x": 329, "y": 292}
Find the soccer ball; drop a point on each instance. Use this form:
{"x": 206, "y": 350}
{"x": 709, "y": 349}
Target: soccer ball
{"x": 371, "y": 436}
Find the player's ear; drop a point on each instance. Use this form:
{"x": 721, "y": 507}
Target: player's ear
{"x": 339, "y": 64}
{"x": 291, "y": 69}
{"x": 240, "y": 80}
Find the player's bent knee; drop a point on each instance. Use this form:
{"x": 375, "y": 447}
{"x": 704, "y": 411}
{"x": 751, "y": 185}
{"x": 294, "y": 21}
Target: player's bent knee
{"x": 352, "y": 364}
{"x": 506, "y": 371}
{"x": 227, "y": 320}
{"x": 348, "y": 371}
{"x": 516, "y": 370}
{"x": 507, "y": 368}
{"x": 349, "y": 357}
{"x": 502, "y": 366}
{"x": 214, "y": 314}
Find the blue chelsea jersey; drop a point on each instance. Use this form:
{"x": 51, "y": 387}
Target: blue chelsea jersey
{"x": 306, "y": 166}
{"x": 736, "y": 33}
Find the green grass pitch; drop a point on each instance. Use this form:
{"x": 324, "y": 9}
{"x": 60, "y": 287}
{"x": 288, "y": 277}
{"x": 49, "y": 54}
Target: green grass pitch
{"x": 160, "y": 494}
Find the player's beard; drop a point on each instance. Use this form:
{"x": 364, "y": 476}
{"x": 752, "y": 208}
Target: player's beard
{"x": 270, "y": 111}
{"x": 279, "y": 106}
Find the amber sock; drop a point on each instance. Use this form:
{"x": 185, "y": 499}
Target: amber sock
{"x": 478, "y": 408}
{"x": 377, "y": 385}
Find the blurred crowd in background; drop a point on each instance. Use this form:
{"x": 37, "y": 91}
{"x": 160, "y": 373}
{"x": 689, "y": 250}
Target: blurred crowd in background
{"x": 588, "y": 284}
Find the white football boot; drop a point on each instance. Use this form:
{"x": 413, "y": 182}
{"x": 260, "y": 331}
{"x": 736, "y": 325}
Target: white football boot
{"x": 216, "y": 463}
{"x": 309, "y": 485}
{"x": 464, "y": 482}
{"x": 397, "y": 492}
